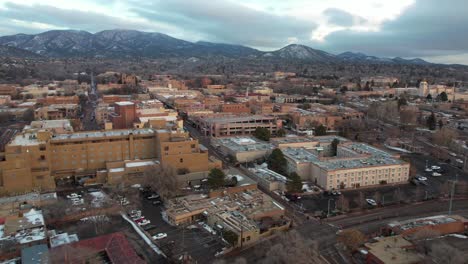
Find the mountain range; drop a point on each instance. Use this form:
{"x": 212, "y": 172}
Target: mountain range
{"x": 132, "y": 43}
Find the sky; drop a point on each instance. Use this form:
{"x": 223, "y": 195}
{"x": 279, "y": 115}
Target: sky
{"x": 430, "y": 29}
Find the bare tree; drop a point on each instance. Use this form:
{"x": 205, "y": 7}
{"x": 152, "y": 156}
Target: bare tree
{"x": 352, "y": 238}
{"x": 293, "y": 248}
{"x": 343, "y": 203}
{"x": 444, "y": 253}
{"x": 163, "y": 180}
{"x": 421, "y": 237}
{"x": 445, "y": 136}
{"x": 69, "y": 253}
{"x": 56, "y": 210}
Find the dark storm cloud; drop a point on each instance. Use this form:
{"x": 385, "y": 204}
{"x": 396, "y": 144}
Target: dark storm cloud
{"x": 427, "y": 28}
{"x": 227, "y": 21}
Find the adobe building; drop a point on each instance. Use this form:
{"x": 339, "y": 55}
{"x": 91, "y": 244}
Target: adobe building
{"x": 235, "y": 108}
{"x": 36, "y": 158}
{"x": 124, "y": 115}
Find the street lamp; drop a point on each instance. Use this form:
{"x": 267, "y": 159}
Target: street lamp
{"x": 328, "y": 212}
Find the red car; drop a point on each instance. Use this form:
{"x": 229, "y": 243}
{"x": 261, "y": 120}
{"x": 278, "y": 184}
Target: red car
{"x": 138, "y": 220}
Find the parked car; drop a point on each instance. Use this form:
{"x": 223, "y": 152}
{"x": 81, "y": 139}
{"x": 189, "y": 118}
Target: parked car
{"x": 73, "y": 195}
{"x": 415, "y": 181}
{"x": 139, "y": 219}
{"x": 371, "y": 202}
{"x": 421, "y": 178}
{"x": 435, "y": 167}
{"x": 159, "y": 236}
{"x": 436, "y": 174}
{"x": 157, "y": 202}
{"x": 428, "y": 170}
{"x": 144, "y": 222}
{"x": 153, "y": 196}
{"x": 148, "y": 227}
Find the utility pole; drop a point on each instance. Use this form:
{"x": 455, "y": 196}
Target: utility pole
{"x": 452, "y": 193}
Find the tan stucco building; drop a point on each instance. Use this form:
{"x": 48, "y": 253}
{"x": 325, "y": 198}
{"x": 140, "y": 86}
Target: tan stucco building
{"x": 35, "y": 158}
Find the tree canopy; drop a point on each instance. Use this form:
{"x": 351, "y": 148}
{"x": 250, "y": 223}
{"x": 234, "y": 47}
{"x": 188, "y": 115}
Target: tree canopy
{"x": 443, "y": 96}
{"x": 320, "y": 130}
{"x": 334, "y": 146}
{"x": 216, "y": 178}
{"x": 294, "y": 184}
{"x": 281, "y": 132}
{"x": 277, "y": 162}
{"x": 431, "y": 122}
{"x": 262, "y": 133}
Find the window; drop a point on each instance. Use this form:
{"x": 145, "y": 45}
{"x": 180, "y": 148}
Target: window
{"x": 166, "y": 148}
{"x": 181, "y": 160}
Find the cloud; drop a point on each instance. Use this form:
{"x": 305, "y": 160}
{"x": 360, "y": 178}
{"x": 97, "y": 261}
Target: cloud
{"x": 227, "y": 21}
{"x": 426, "y": 29}
{"x": 405, "y": 28}
{"x": 339, "y": 17}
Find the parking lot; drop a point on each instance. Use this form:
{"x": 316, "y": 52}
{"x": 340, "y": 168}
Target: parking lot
{"x": 434, "y": 187}
{"x": 193, "y": 240}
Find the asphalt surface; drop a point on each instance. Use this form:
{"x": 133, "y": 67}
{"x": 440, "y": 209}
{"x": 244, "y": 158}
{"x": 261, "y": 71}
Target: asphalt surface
{"x": 194, "y": 241}
{"x": 89, "y": 118}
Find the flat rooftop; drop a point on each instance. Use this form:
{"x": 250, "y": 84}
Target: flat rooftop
{"x": 107, "y": 133}
{"x": 426, "y": 221}
{"x": 235, "y": 119}
{"x": 243, "y": 144}
{"x": 298, "y": 139}
{"x": 364, "y": 156}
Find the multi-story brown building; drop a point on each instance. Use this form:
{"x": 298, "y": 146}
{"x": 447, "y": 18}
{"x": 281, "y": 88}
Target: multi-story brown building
{"x": 8, "y": 89}
{"x": 37, "y": 157}
{"x": 57, "y": 111}
{"x": 232, "y": 125}
{"x": 49, "y": 100}
{"x": 235, "y": 108}
{"x": 330, "y": 116}
{"x": 124, "y": 115}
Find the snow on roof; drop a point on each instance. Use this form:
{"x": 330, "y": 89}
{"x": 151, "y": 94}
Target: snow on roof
{"x": 34, "y": 217}
{"x": 124, "y": 103}
{"x": 117, "y": 170}
{"x": 139, "y": 164}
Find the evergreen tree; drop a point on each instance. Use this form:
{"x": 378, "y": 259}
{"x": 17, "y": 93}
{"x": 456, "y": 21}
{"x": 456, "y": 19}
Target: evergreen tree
{"x": 429, "y": 97}
{"x": 321, "y": 130}
{"x": 277, "y": 162}
{"x": 281, "y": 132}
{"x": 334, "y": 146}
{"x": 443, "y": 97}
{"x": 431, "y": 122}
{"x": 262, "y": 133}
{"x": 294, "y": 184}
{"x": 216, "y": 178}
{"x": 441, "y": 123}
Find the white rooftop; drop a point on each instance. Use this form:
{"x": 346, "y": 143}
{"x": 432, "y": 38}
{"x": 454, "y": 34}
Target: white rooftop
{"x": 124, "y": 103}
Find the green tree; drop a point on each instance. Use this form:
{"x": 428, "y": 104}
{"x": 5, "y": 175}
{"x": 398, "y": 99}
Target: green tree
{"x": 231, "y": 237}
{"x": 334, "y": 146}
{"x": 304, "y": 106}
{"x": 262, "y": 133}
{"x": 443, "y": 96}
{"x": 429, "y": 97}
{"x": 294, "y": 184}
{"x": 281, "y": 132}
{"x": 320, "y": 130}
{"x": 277, "y": 162}
{"x": 216, "y": 178}
{"x": 431, "y": 122}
